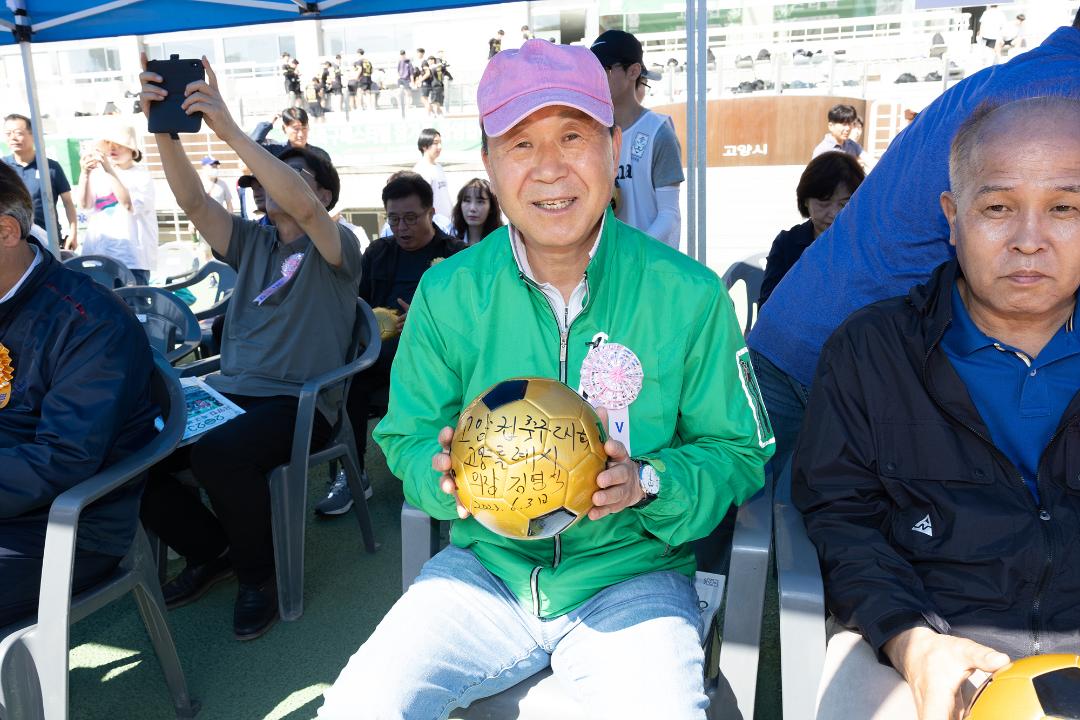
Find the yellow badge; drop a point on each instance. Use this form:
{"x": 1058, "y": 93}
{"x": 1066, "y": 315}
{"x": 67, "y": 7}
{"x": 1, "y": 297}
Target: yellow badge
{"x": 7, "y": 375}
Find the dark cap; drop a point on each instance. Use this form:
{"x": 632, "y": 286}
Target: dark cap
{"x": 615, "y": 47}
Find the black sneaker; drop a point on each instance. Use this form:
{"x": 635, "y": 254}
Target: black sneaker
{"x": 339, "y": 499}
{"x": 194, "y": 581}
{"x": 256, "y": 610}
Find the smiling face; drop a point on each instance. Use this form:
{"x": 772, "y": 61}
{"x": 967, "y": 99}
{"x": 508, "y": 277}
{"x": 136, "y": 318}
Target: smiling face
{"x": 1015, "y": 218}
{"x": 553, "y": 173}
{"x": 475, "y": 206}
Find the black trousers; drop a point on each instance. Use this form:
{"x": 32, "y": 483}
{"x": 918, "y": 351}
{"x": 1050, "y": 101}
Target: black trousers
{"x": 20, "y": 573}
{"x": 366, "y": 386}
{"x": 231, "y": 464}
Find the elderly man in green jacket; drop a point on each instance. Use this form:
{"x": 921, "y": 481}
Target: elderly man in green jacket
{"x": 609, "y": 603}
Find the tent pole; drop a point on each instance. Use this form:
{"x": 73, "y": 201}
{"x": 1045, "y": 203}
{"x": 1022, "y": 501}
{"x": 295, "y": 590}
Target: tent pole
{"x": 40, "y": 156}
{"x": 701, "y": 27}
{"x": 691, "y": 132}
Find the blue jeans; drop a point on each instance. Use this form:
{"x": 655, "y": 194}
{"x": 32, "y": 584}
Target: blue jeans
{"x": 458, "y": 635}
{"x": 785, "y": 401}
{"x": 142, "y": 277}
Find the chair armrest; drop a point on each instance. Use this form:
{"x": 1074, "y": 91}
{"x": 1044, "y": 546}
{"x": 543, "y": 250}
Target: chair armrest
{"x": 745, "y": 596}
{"x": 216, "y": 309}
{"x": 200, "y": 367}
{"x": 802, "y": 609}
{"x": 175, "y": 282}
{"x": 59, "y": 556}
{"x": 419, "y": 542}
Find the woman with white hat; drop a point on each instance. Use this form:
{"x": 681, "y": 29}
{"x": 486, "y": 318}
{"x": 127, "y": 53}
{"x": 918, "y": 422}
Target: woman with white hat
{"x": 118, "y": 196}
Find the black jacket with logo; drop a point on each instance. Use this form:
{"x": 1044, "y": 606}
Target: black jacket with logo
{"x": 80, "y": 402}
{"x": 917, "y": 517}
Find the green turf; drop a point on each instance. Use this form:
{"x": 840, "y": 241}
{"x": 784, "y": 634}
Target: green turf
{"x": 115, "y": 675}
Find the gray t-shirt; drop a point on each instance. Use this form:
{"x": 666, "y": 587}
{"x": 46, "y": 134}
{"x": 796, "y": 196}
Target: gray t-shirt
{"x": 667, "y": 157}
{"x": 291, "y": 314}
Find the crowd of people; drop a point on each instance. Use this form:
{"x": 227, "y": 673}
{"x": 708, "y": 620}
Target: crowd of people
{"x": 421, "y": 81}
{"x": 914, "y": 352}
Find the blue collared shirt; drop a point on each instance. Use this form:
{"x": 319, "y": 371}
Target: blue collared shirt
{"x": 1021, "y": 399}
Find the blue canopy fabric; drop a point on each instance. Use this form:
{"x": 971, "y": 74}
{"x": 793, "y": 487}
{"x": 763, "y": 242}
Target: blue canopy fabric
{"x": 53, "y": 20}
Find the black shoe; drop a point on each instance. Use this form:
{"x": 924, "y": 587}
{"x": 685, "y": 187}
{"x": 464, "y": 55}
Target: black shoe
{"x": 194, "y": 581}
{"x": 256, "y": 610}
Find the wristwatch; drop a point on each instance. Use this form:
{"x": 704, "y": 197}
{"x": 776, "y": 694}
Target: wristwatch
{"x": 650, "y": 483}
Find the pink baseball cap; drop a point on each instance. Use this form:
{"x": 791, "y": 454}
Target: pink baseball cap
{"x": 517, "y": 83}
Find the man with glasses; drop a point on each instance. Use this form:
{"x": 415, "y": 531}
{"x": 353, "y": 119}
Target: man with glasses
{"x": 650, "y": 161}
{"x": 23, "y": 159}
{"x": 392, "y": 270}
{"x": 290, "y": 319}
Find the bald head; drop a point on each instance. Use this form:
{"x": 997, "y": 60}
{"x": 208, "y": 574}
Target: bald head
{"x": 1002, "y": 126}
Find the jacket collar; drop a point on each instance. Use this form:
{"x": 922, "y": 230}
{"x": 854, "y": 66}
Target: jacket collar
{"x": 37, "y": 277}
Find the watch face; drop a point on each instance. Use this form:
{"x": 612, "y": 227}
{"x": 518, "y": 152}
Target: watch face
{"x": 650, "y": 481}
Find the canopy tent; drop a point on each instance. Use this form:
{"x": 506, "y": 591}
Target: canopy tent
{"x": 35, "y": 21}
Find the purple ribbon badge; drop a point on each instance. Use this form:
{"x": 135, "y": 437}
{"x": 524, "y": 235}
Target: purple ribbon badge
{"x": 288, "y": 268}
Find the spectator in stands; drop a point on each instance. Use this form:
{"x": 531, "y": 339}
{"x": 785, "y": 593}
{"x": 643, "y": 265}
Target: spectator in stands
{"x": 483, "y": 615}
{"x": 364, "y": 71}
{"x": 294, "y": 123}
{"x": 213, "y": 185}
{"x": 75, "y": 371}
{"x": 824, "y": 189}
{"x": 650, "y": 159}
{"x": 892, "y": 234}
{"x": 927, "y": 409}
{"x": 1013, "y": 36}
{"x": 440, "y": 76}
{"x": 841, "y": 121}
{"x": 313, "y": 94}
{"x": 291, "y": 318}
{"x": 23, "y": 159}
{"x": 419, "y": 76}
{"x": 404, "y": 81}
{"x": 477, "y": 213}
{"x": 118, "y": 196}
{"x": 293, "y": 90}
{"x": 495, "y": 44}
{"x": 392, "y": 269}
{"x": 430, "y": 146}
{"x": 992, "y": 28}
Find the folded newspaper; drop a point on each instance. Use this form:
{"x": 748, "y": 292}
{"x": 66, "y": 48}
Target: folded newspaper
{"x": 206, "y": 408}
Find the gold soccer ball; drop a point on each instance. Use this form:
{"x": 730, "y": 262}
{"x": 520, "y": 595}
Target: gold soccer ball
{"x": 525, "y": 455}
{"x": 1033, "y": 688}
{"x": 387, "y": 320}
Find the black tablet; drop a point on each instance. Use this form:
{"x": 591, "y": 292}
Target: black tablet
{"x": 167, "y": 116}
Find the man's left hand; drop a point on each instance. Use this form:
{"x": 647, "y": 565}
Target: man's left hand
{"x": 619, "y": 485}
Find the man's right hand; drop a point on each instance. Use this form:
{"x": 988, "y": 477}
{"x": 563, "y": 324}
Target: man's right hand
{"x": 440, "y": 462}
{"x": 936, "y": 667}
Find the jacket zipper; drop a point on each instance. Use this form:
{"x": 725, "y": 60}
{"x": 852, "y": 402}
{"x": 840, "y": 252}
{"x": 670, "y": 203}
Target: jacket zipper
{"x": 1044, "y": 514}
{"x": 564, "y": 340}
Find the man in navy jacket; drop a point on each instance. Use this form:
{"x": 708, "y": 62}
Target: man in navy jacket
{"x": 75, "y": 369}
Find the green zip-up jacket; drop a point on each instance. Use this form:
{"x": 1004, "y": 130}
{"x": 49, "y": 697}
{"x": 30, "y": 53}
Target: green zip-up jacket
{"x": 699, "y": 421}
